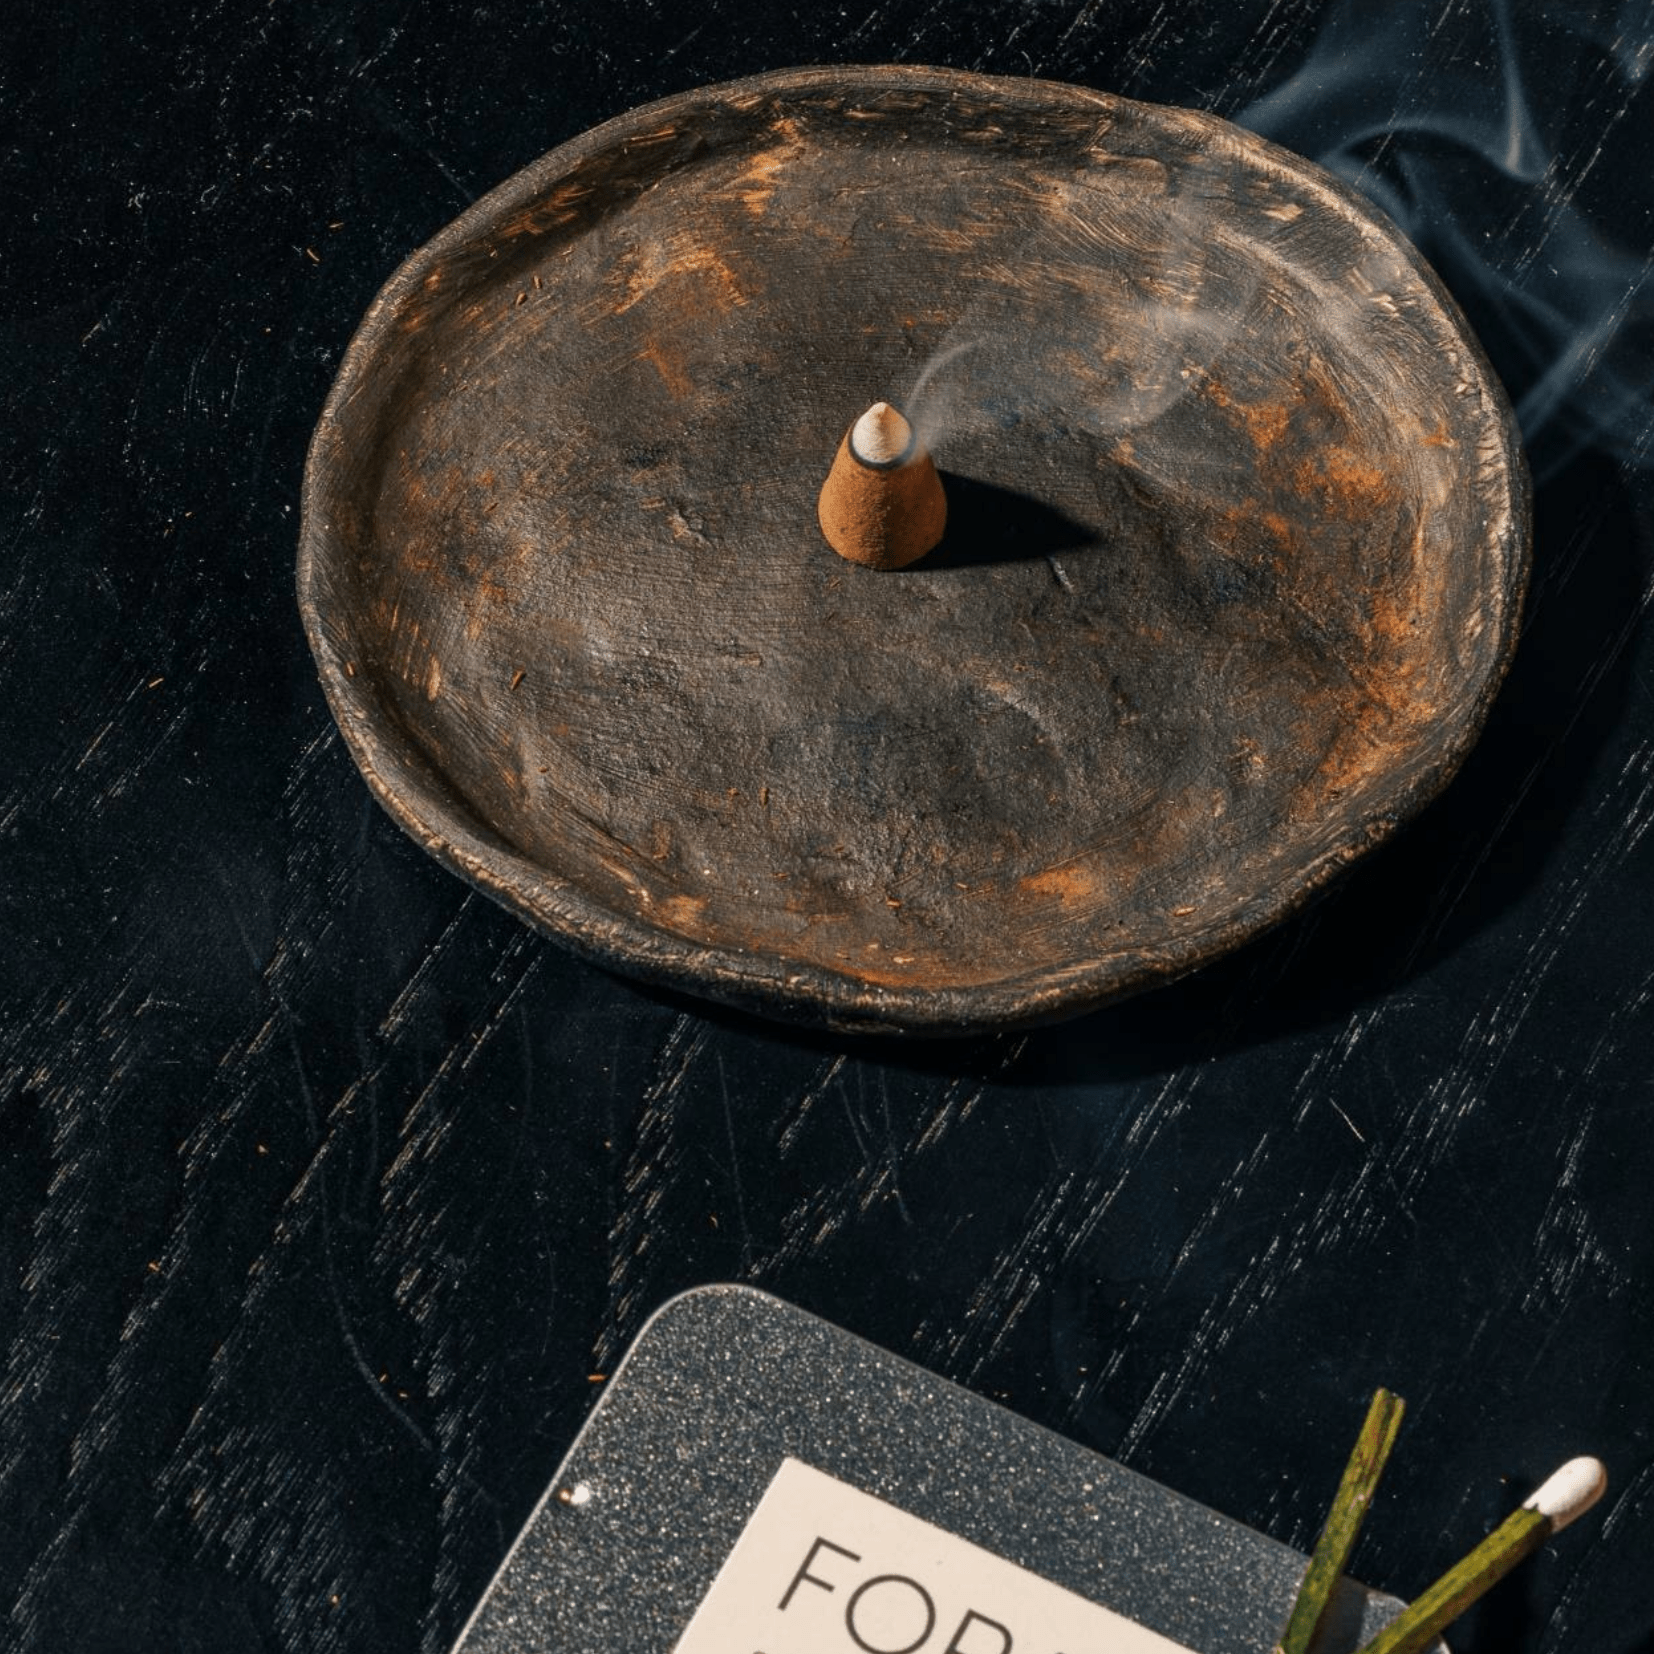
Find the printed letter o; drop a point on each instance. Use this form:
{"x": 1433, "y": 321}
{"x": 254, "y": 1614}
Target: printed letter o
{"x": 889, "y": 1648}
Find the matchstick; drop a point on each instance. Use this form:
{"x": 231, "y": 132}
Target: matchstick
{"x": 1569, "y": 1493}
{"x": 1343, "y": 1524}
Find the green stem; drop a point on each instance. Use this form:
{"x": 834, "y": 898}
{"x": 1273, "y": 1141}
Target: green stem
{"x": 1519, "y": 1535}
{"x": 1343, "y": 1525}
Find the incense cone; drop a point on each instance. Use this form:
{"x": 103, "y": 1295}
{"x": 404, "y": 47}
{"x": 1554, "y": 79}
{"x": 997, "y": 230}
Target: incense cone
{"x": 882, "y": 504}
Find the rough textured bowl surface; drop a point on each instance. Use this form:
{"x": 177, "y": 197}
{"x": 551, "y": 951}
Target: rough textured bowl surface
{"x": 1237, "y": 538}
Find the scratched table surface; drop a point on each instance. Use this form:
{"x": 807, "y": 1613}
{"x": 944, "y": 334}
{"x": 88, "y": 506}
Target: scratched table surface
{"x": 328, "y": 1191}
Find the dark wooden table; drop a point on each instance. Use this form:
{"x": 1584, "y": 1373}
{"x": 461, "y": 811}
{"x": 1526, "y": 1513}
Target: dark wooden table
{"x": 326, "y": 1187}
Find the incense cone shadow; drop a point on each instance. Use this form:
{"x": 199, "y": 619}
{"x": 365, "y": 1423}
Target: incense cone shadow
{"x": 992, "y": 524}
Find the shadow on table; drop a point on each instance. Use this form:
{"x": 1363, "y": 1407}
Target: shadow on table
{"x": 1481, "y": 848}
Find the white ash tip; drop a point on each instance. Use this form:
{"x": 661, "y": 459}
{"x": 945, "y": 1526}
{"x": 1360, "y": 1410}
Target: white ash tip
{"x": 1570, "y": 1492}
{"x": 881, "y": 436}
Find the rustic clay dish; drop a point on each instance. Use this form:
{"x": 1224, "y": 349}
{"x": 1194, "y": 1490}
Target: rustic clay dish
{"x": 1237, "y": 537}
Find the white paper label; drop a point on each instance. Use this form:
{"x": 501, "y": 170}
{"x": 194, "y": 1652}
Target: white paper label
{"x": 823, "y": 1568}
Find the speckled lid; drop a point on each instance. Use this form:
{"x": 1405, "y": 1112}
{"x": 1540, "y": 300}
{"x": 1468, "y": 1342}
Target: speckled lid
{"x": 726, "y": 1383}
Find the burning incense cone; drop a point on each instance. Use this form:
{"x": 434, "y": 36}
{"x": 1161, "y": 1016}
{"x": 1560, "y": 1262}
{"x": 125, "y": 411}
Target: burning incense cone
{"x": 882, "y": 504}
{"x": 1569, "y": 1493}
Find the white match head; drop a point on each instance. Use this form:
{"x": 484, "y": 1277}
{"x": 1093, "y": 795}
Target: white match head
{"x": 881, "y": 436}
{"x": 1570, "y": 1492}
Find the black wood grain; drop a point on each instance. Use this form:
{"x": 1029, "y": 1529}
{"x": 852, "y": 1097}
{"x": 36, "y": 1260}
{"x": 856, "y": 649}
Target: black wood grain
{"x": 326, "y": 1189}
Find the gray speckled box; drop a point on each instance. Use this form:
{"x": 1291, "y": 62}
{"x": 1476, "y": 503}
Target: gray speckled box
{"x": 725, "y": 1384}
